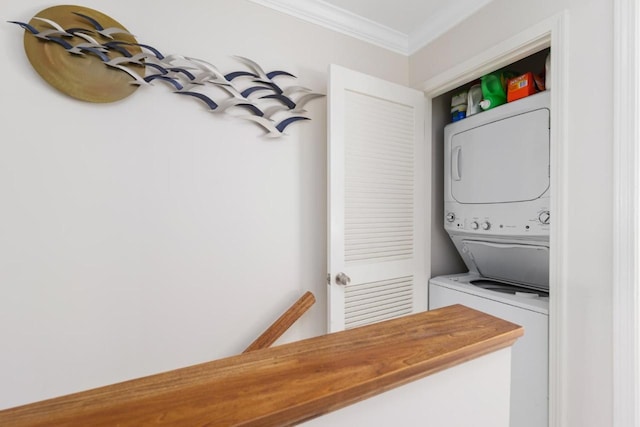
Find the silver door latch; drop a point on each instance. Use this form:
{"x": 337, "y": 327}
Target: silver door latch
{"x": 342, "y": 279}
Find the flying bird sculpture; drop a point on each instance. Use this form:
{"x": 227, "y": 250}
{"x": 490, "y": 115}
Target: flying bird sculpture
{"x": 286, "y": 101}
{"x": 82, "y": 48}
{"x": 209, "y": 70}
{"x": 261, "y": 74}
{"x": 174, "y": 82}
{"x": 105, "y": 32}
{"x": 44, "y": 34}
{"x": 274, "y": 128}
{"x": 137, "y": 79}
{"x": 51, "y": 23}
{"x": 270, "y": 104}
{"x": 83, "y": 33}
{"x": 219, "y": 106}
{"x": 121, "y": 44}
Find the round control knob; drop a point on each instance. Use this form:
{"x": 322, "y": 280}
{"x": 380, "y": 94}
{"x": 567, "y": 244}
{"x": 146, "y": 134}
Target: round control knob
{"x": 544, "y": 217}
{"x": 474, "y": 225}
{"x": 450, "y": 217}
{"x": 486, "y": 225}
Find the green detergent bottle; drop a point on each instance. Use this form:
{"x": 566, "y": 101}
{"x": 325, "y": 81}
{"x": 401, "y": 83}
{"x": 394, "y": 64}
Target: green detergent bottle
{"x": 494, "y": 89}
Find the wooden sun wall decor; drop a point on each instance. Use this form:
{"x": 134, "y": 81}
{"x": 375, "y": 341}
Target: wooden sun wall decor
{"x": 90, "y": 56}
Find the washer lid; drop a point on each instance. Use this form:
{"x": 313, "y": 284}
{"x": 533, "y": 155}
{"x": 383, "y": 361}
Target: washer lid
{"x": 515, "y": 263}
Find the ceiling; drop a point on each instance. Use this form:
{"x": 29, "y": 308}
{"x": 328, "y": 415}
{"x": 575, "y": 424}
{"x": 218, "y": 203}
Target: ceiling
{"x": 403, "y": 26}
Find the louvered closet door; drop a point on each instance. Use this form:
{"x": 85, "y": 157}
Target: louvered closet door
{"x": 377, "y": 200}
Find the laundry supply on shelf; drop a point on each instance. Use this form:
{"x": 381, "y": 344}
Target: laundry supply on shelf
{"x": 459, "y": 106}
{"x": 474, "y": 98}
{"x": 521, "y": 86}
{"x": 494, "y": 89}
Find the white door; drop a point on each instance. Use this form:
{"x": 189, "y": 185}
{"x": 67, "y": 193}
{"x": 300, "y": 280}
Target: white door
{"x": 378, "y": 189}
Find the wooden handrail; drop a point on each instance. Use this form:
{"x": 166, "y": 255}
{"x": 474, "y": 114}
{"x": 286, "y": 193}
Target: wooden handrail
{"x": 286, "y": 384}
{"x": 284, "y": 322}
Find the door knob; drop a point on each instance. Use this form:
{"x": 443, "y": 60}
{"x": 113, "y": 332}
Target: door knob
{"x": 342, "y": 279}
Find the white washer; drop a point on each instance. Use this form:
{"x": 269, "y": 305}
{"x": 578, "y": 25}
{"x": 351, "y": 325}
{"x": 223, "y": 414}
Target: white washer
{"x": 525, "y": 307}
{"x": 497, "y": 188}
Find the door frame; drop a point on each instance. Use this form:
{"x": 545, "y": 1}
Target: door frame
{"x": 626, "y": 214}
{"x": 550, "y": 32}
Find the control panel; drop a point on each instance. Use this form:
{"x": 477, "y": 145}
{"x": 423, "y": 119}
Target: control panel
{"x": 533, "y": 219}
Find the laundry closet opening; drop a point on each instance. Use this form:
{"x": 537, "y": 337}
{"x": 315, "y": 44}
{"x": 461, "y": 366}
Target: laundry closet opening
{"x": 491, "y": 218}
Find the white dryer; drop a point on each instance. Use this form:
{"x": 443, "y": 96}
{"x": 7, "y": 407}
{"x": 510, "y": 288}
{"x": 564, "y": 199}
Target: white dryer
{"x": 496, "y": 191}
{"x": 529, "y": 357}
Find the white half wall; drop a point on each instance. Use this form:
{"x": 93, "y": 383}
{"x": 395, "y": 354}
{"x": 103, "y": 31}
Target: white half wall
{"x": 146, "y": 235}
{"x": 474, "y": 393}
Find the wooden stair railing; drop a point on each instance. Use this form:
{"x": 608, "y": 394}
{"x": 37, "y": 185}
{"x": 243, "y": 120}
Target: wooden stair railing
{"x": 286, "y": 384}
{"x": 284, "y": 322}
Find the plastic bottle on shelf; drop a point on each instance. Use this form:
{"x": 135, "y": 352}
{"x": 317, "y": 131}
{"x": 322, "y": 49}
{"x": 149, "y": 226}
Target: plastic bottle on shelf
{"x": 459, "y": 106}
{"x": 474, "y": 98}
{"x": 494, "y": 89}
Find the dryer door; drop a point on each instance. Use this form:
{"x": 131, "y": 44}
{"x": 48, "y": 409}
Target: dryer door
{"x": 502, "y": 161}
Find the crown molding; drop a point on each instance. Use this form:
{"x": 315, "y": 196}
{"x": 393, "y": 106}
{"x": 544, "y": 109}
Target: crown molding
{"x": 329, "y": 16}
{"x": 340, "y": 20}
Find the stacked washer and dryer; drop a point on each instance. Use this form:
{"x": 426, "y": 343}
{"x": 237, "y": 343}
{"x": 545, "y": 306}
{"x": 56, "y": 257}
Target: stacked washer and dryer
{"x": 497, "y": 213}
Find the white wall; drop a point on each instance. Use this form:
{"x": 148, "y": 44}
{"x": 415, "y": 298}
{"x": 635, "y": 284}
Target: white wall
{"x": 146, "y": 235}
{"x": 588, "y": 372}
